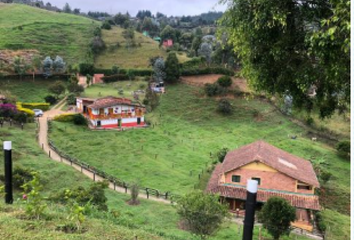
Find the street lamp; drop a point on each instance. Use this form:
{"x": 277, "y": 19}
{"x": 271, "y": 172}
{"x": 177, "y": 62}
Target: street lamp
{"x": 252, "y": 187}
{"x": 8, "y": 172}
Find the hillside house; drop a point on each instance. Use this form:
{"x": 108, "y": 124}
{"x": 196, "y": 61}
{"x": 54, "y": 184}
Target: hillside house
{"x": 111, "y": 112}
{"x": 97, "y": 78}
{"x": 278, "y": 174}
{"x": 168, "y": 43}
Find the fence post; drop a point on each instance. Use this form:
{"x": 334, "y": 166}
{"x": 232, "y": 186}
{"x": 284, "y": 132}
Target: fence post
{"x": 49, "y": 154}
{"x": 126, "y": 188}
{"x": 166, "y": 196}
{"x": 147, "y": 193}
{"x": 42, "y": 146}
{"x": 94, "y": 176}
{"x": 71, "y": 162}
{"x": 81, "y": 168}
{"x": 114, "y": 185}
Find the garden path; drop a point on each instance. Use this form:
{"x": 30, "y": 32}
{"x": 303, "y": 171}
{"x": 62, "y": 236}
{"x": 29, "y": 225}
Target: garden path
{"x": 43, "y": 141}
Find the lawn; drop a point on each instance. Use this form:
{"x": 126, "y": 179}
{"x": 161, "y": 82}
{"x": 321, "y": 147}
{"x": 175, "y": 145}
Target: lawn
{"x": 51, "y": 33}
{"x": 172, "y": 153}
{"x": 137, "y": 57}
{"x": 112, "y": 89}
{"x": 27, "y": 90}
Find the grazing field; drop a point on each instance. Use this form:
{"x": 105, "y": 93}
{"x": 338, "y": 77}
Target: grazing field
{"x": 117, "y": 53}
{"x": 51, "y": 33}
{"x": 27, "y": 90}
{"x": 113, "y": 89}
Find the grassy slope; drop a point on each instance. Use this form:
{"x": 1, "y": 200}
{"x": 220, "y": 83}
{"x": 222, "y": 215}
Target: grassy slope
{"x": 50, "y": 33}
{"x": 27, "y": 90}
{"x": 129, "y": 58}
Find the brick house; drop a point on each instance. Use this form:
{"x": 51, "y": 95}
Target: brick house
{"x": 278, "y": 173}
{"x": 168, "y": 43}
{"x": 111, "y": 112}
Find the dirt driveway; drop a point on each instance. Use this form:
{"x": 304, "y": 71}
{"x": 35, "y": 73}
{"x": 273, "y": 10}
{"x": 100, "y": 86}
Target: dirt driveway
{"x": 200, "y": 80}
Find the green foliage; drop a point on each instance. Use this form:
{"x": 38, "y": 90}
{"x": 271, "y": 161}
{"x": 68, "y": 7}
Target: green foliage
{"x": 66, "y": 117}
{"x": 221, "y": 154}
{"x": 151, "y": 99}
{"x": 225, "y": 81}
{"x": 77, "y": 214}
{"x": 50, "y": 99}
{"x": 320, "y": 223}
{"x": 79, "y": 120}
{"x": 212, "y": 90}
{"x": 21, "y": 176}
{"x": 275, "y": 61}
{"x": 20, "y": 66}
{"x": 172, "y": 68}
{"x": 35, "y": 204}
{"x": 75, "y": 88}
{"x": 57, "y": 88}
{"x": 20, "y": 117}
{"x": 86, "y": 68}
{"x": 115, "y": 70}
{"x": 276, "y": 216}
{"x": 224, "y": 107}
{"x": 97, "y": 45}
{"x": 42, "y": 106}
{"x": 203, "y": 213}
{"x": 115, "y": 78}
{"x": 343, "y": 148}
{"x": 204, "y": 71}
{"x": 325, "y": 176}
{"x": 168, "y": 33}
{"x": 71, "y": 99}
{"x": 106, "y": 25}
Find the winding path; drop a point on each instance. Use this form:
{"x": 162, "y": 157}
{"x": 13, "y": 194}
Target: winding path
{"x": 43, "y": 142}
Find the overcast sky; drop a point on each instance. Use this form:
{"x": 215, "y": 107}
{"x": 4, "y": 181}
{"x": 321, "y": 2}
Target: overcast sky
{"x": 169, "y": 7}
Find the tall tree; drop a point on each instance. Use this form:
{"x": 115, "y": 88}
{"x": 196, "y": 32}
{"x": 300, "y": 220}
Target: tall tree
{"x": 20, "y": 66}
{"x": 292, "y": 46}
{"x": 168, "y": 33}
{"x": 59, "y": 64}
{"x": 129, "y": 36}
{"x": 67, "y": 8}
{"x": 206, "y": 51}
{"x": 172, "y": 68}
{"x": 47, "y": 66}
{"x": 159, "y": 70}
{"x": 276, "y": 216}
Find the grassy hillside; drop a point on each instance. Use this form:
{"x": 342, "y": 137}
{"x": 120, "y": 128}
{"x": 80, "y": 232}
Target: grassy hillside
{"x": 118, "y": 54}
{"x": 51, "y": 33}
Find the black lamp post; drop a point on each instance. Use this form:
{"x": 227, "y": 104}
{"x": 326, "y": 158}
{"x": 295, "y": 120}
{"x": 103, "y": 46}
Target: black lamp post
{"x": 251, "y": 202}
{"x": 8, "y": 172}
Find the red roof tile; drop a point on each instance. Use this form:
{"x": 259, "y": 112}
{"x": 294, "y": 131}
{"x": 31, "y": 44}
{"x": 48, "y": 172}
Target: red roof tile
{"x": 110, "y": 102}
{"x": 276, "y": 158}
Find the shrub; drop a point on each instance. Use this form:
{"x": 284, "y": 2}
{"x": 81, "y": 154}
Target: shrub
{"x": 79, "y": 120}
{"x": 309, "y": 120}
{"x": 21, "y": 176}
{"x": 86, "y": 68}
{"x": 106, "y": 25}
{"x": 75, "y": 88}
{"x": 343, "y": 148}
{"x": 325, "y": 176}
{"x": 224, "y": 107}
{"x": 115, "y": 78}
{"x": 42, "y": 106}
{"x": 320, "y": 223}
{"x": 57, "y": 88}
{"x": 115, "y": 70}
{"x": 221, "y": 154}
{"x": 20, "y": 117}
{"x": 28, "y": 111}
{"x": 50, "y": 99}
{"x": 212, "y": 90}
{"x": 204, "y": 71}
{"x": 7, "y": 110}
{"x": 66, "y": 117}
{"x": 71, "y": 99}
{"x": 225, "y": 81}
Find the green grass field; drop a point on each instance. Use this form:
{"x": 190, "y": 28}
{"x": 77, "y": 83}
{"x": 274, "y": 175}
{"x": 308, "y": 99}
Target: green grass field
{"x": 27, "y": 90}
{"x": 123, "y": 57}
{"x": 51, "y": 33}
{"x": 112, "y": 89}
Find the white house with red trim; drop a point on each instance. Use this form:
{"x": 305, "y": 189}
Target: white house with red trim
{"x": 112, "y": 112}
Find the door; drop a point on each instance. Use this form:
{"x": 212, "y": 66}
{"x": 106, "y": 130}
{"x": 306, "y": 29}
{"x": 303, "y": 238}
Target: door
{"x": 119, "y": 122}
{"x": 139, "y": 121}
{"x": 98, "y": 123}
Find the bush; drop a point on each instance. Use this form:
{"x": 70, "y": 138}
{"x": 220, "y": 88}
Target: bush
{"x": 325, "y": 176}
{"x": 221, "y": 154}
{"x": 66, "y": 117}
{"x": 343, "y": 148}
{"x": 320, "y": 223}
{"x": 27, "y": 111}
{"x": 106, "y": 25}
{"x": 50, "y": 99}
{"x": 79, "y": 120}
{"x": 212, "y": 90}
{"x": 20, "y": 117}
{"x": 224, "y": 107}
{"x": 71, "y": 99}
{"x": 42, "y": 106}
{"x": 309, "y": 120}
{"x": 7, "y": 110}
{"x": 75, "y": 88}
{"x": 21, "y": 176}
{"x": 136, "y": 72}
{"x": 86, "y": 68}
{"x": 204, "y": 71}
{"x": 225, "y": 81}
{"x": 115, "y": 78}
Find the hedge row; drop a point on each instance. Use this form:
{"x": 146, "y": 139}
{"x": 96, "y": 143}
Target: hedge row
{"x": 135, "y": 72}
{"x": 115, "y": 78}
{"x": 37, "y": 76}
{"x": 66, "y": 117}
{"x": 204, "y": 71}
{"x": 28, "y": 111}
{"x": 42, "y": 106}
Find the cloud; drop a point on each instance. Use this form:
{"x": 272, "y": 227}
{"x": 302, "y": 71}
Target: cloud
{"x": 170, "y": 7}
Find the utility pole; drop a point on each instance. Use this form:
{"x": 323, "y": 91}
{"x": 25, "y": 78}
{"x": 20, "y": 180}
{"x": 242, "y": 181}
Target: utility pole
{"x": 252, "y": 187}
{"x": 8, "y": 172}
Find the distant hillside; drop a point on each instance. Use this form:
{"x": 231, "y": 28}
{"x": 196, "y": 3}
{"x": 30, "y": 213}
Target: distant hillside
{"x": 118, "y": 54}
{"x": 50, "y": 33}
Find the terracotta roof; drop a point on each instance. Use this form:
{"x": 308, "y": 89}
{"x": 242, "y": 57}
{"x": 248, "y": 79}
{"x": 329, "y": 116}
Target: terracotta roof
{"x": 296, "y": 200}
{"x": 276, "y": 158}
{"x": 110, "y": 102}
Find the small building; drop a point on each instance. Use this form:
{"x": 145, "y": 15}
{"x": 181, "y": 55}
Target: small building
{"x": 157, "y": 39}
{"x": 97, "y": 78}
{"x": 168, "y": 43}
{"x": 278, "y": 174}
{"x": 111, "y": 112}
{"x": 158, "y": 87}
{"x": 146, "y": 34}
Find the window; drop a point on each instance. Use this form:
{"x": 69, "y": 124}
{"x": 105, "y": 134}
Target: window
{"x": 257, "y": 179}
{"x": 236, "y": 178}
{"x": 305, "y": 187}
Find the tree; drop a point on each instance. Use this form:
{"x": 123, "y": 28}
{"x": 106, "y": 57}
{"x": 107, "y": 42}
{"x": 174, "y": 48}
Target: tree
{"x": 224, "y": 107}
{"x": 120, "y": 19}
{"x": 159, "y": 70}
{"x": 75, "y": 88}
{"x": 57, "y": 88}
{"x": 168, "y": 33}
{"x": 89, "y": 80}
{"x": 67, "y": 8}
{"x": 205, "y": 51}
{"x": 197, "y": 41}
{"x": 47, "y": 66}
{"x": 129, "y": 36}
{"x": 276, "y": 216}
{"x": 203, "y": 213}
{"x": 97, "y": 45}
{"x": 20, "y": 66}
{"x": 86, "y": 68}
{"x": 77, "y": 11}
{"x": 36, "y": 65}
{"x": 106, "y": 25}
{"x": 59, "y": 64}
{"x": 292, "y": 46}
{"x": 172, "y": 68}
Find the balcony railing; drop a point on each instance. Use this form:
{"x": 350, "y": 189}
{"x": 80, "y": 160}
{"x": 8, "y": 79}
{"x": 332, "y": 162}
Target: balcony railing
{"x": 115, "y": 116}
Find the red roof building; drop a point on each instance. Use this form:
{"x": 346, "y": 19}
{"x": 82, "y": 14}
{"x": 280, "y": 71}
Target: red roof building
{"x": 168, "y": 43}
{"x": 111, "y": 112}
{"x": 278, "y": 173}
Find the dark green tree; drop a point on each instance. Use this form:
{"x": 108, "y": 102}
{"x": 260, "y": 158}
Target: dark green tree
{"x": 67, "y": 8}
{"x": 276, "y": 216}
{"x": 168, "y": 33}
{"x": 172, "y": 68}
{"x": 57, "y": 88}
{"x": 291, "y": 46}
{"x": 203, "y": 213}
